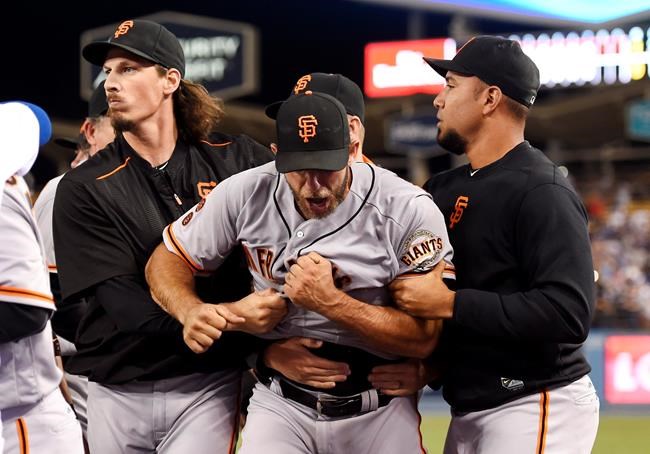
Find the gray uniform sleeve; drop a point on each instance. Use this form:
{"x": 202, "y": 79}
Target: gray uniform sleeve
{"x": 43, "y": 214}
{"x": 424, "y": 241}
{"x": 205, "y": 235}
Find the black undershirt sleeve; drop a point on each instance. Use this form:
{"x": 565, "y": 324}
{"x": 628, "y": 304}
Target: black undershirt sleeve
{"x": 127, "y": 301}
{"x": 69, "y": 313}
{"x": 18, "y": 321}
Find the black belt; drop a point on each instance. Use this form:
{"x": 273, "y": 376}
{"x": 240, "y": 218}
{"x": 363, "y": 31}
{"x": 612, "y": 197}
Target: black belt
{"x": 329, "y": 405}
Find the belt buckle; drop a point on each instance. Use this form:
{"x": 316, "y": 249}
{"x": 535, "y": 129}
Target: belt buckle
{"x": 324, "y": 400}
{"x": 335, "y": 403}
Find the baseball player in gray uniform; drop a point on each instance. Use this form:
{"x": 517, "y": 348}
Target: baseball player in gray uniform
{"x": 95, "y": 133}
{"x": 19, "y": 131}
{"x": 35, "y": 416}
{"x": 294, "y": 357}
{"x": 330, "y": 235}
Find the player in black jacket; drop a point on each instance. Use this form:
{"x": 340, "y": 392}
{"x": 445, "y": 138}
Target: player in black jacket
{"x": 514, "y": 374}
{"x": 148, "y": 391}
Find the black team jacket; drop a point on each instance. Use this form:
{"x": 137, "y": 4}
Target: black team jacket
{"x": 109, "y": 215}
{"x": 524, "y": 277}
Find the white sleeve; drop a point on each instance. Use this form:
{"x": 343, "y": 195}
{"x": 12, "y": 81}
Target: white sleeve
{"x": 205, "y": 235}
{"x": 425, "y": 240}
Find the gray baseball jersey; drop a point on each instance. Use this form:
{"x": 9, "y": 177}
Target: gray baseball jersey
{"x": 43, "y": 214}
{"x": 29, "y": 372}
{"x": 43, "y": 209}
{"x": 30, "y": 399}
{"x": 2, "y": 439}
{"x": 385, "y": 227}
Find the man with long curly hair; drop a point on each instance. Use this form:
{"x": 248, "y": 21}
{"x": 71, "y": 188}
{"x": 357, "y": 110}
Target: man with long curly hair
{"x": 147, "y": 390}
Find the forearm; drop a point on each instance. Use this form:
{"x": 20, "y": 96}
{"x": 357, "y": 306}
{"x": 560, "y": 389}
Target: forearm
{"x": 385, "y": 328}
{"x": 553, "y": 298}
{"x": 128, "y": 303}
{"x": 171, "y": 283}
{"x": 552, "y": 314}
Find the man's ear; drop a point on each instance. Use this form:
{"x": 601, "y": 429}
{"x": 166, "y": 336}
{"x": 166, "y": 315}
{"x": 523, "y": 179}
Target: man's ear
{"x": 356, "y": 138}
{"x": 172, "y": 80}
{"x": 493, "y": 98}
{"x": 88, "y": 130}
{"x": 355, "y": 126}
{"x": 274, "y": 148}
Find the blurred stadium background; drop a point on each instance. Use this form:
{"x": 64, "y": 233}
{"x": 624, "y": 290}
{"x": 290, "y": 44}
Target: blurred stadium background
{"x": 592, "y": 117}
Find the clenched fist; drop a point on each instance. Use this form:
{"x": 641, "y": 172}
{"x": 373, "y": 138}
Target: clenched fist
{"x": 204, "y": 323}
{"x": 262, "y": 311}
{"x": 310, "y": 284}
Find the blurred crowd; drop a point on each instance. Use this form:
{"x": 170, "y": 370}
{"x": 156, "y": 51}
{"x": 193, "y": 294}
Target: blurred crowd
{"x": 620, "y": 235}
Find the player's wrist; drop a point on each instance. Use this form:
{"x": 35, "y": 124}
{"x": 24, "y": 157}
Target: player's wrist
{"x": 183, "y": 312}
{"x": 448, "y": 307}
{"x": 334, "y": 298}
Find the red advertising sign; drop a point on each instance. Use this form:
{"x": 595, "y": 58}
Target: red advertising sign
{"x": 627, "y": 369}
{"x": 396, "y": 68}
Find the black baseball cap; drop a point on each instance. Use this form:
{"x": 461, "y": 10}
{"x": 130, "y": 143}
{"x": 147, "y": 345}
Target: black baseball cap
{"x": 97, "y": 107}
{"x": 143, "y": 38}
{"x": 336, "y": 85}
{"x": 496, "y": 61}
{"x": 68, "y": 142}
{"x": 313, "y": 133}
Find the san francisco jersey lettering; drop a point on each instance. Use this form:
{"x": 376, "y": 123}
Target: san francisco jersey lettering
{"x": 385, "y": 227}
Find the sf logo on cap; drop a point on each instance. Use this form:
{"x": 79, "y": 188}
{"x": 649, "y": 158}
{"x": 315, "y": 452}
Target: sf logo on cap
{"x": 307, "y": 125}
{"x": 123, "y": 28}
{"x": 301, "y": 84}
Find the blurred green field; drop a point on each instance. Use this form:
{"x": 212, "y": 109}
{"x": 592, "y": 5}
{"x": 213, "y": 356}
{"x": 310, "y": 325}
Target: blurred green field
{"x": 616, "y": 434}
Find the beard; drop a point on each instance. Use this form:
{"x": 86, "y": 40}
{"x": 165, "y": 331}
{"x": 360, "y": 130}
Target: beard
{"x": 332, "y": 199}
{"x": 452, "y": 142}
{"x": 119, "y": 123}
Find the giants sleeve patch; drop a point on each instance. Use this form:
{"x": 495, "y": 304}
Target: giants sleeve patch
{"x": 421, "y": 251}
{"x": 186, "y": 220}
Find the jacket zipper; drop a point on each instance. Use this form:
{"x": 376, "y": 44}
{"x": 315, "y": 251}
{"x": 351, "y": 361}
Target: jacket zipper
{"x": 169, "y": 182}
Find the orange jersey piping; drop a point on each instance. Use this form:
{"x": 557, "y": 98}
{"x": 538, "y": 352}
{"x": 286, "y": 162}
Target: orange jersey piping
{"x": 114, "y": 171}
{"x": 224, "y": 144}
{"x": 180, "y": 252}
{"x": 544, "y": 400}
{"x": 13, "y": 291}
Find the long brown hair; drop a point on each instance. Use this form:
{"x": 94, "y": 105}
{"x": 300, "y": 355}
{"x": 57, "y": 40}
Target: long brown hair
{"x": 197, "y": 112}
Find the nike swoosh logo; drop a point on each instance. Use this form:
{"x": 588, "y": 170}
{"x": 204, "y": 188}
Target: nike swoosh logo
{"x": 472, "y": 172}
